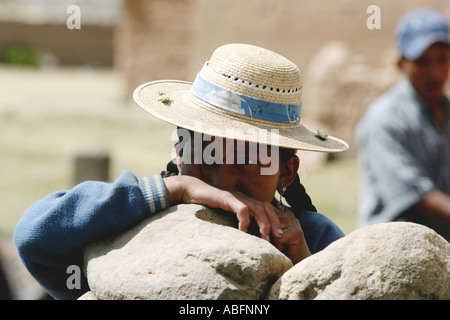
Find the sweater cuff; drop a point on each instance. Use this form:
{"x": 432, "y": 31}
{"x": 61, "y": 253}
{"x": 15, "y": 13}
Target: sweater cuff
{"x": 155, "y": 193}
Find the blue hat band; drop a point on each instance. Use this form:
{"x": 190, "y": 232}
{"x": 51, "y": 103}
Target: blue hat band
{"x": 245, "y": 105}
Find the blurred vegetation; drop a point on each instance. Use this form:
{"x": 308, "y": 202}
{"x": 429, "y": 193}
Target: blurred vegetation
{"x": 21, "y": 55}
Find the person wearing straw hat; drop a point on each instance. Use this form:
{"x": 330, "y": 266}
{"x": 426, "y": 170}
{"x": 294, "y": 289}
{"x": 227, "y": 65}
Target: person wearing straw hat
{"x": 404, "y": 138}
{"x": 239, "y": 128}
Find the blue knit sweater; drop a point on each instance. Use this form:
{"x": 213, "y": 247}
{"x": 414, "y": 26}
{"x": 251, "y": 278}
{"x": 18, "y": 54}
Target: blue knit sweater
{"x": 52, "y": 233}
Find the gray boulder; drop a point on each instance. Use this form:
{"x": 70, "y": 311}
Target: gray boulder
{"x": 184, "y": 252}
{"x": 396, "y": 260}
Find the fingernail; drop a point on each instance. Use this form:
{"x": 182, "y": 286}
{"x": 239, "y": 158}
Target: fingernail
{"x": 280, "y": 232}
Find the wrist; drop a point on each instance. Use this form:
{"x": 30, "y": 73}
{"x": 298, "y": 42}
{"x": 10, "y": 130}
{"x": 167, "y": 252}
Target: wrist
{"x": 153, "y": 189}
{"x": 174, "y": 189}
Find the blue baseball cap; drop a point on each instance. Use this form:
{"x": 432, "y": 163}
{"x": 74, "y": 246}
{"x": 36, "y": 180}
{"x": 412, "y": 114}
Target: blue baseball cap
{"x": 418, "y": 30}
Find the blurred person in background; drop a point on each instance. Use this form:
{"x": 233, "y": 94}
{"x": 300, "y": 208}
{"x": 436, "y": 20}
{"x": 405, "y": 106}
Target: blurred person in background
{"x": 404, "y": 138}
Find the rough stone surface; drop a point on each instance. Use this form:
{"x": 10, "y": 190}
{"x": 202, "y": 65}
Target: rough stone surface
{"x": 185, "y": 252}
{"x": 88, "y": 296}
{"x": 396, "y": 260}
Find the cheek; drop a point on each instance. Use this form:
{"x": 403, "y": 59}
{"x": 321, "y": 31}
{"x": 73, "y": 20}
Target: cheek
{"x": 418, "y": 79}
{"x": 444, "y": 72}
{"x": 190, "y": 170}
{"x": 261, "y": 188}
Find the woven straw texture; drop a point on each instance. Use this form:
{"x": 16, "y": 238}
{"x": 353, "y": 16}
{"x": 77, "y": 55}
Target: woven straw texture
{"x": 258, "y": 68}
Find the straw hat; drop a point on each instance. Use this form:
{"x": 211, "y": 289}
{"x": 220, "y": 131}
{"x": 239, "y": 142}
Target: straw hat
{"x": 243, "y": 92}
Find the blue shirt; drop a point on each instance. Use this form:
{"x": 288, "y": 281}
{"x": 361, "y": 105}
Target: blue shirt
{"x": 403, "y": 156}
{"x": 52, "y": 233}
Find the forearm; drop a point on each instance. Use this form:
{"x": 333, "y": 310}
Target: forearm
{"x": 188, "y": 189}
{"x": 174, "y": 189}
{"x": 51, "y": 234}
{"x": 435, "y": 205}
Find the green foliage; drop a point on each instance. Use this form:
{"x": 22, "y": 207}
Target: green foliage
{"x": 21, "y": 55}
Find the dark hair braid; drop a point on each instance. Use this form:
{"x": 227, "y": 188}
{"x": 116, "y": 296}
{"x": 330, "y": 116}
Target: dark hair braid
{"x": 297, "y": 197}
{"x": 295, "y": 193}
{"x": 171, "y": 169}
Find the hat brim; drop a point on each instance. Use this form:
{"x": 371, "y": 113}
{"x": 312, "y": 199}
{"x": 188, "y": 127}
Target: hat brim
{"x": 172, "y": 102}
{"x": 418, "y": 47}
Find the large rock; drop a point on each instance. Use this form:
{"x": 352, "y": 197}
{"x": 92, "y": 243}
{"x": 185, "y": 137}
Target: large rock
{"x": 396, "y": 260}
{"x": 185, "y": 252}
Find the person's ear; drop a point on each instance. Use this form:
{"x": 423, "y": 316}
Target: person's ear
{"x": 406, "y": 67}
{"x": 288, "y": 170}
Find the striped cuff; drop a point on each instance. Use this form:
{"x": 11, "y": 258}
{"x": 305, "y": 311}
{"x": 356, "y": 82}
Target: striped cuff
{"x": 155, "y": 193}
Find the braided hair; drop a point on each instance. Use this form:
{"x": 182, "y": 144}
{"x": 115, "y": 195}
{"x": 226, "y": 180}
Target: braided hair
{"x": 295, "y": 194}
